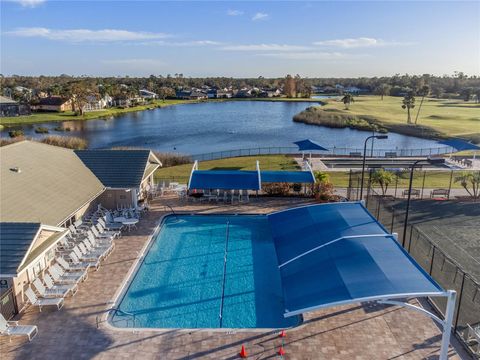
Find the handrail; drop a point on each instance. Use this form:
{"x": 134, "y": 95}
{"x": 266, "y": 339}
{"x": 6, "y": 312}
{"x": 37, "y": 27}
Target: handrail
{"x": 115, "y": 310}
{"x": 171, "y": 209}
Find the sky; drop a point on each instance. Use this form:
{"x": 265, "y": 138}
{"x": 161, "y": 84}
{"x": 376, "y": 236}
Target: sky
{"x": 239, "y": 39}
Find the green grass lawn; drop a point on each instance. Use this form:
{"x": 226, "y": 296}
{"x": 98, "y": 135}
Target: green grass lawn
{"x": 449, "y": 117}
{"x": 65, "y": 116}
{"x": 267, "y": 162}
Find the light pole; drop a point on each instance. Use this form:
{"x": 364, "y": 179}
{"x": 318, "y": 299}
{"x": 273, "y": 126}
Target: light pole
{"x": 364, "y": 157}
{"x": 433, "y": 161}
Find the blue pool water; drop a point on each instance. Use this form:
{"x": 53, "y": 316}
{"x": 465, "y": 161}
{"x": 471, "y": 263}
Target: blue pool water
{"x": 184, "y": 281}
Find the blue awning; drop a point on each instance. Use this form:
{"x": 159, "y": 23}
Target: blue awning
{"x": 337, "y": 253}
{"x": 459, "y": 144}
{"x": 287, "y": 177}
{"x": 307, "y": 144}
{"x": 224, "y": 179}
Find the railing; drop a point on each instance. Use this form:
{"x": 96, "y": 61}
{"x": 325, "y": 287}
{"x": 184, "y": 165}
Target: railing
{"x": 115, "y": 311}
{"x": 171, "y": 209}
{"x": 335, "y": 151}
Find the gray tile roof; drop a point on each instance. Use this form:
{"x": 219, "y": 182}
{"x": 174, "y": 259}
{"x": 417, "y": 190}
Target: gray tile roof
{"x": 43, "y": 184}
{"x": 15, "y": 240}
{"x": 116, "y": 168}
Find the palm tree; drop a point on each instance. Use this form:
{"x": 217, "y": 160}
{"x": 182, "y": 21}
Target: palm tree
{"x": 383, "y": 178}
{"x": 424, "y": 91}
{"x": 347, "y": 100}
{"x": 321, "y": 176}
{"x": 408, "y": 103}
{"x": 466, "y": 178}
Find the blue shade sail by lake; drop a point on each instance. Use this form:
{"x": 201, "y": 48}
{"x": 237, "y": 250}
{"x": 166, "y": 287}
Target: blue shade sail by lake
{"x": 210, "y": 127}
{"x": 185, "y": 282}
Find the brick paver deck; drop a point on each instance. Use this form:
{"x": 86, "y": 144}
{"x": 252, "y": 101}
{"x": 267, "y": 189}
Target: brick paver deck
{"x": 349, "y": 332}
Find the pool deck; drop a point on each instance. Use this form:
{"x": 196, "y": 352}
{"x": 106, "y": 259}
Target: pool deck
{"x": 348, "y": 332}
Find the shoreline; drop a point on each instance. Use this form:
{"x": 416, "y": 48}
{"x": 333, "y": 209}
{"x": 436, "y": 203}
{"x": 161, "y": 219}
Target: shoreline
{"x": 334, "y": 118}
{"x": 46, "y": 117}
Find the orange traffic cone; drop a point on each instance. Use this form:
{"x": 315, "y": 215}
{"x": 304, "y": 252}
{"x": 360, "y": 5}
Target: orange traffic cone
{"x": 243, "y": 353}
{"x": 282, "y": 334}
{"x": 281, "y": 351}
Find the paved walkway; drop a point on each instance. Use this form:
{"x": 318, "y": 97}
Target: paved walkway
{"x": 349, "y": 332}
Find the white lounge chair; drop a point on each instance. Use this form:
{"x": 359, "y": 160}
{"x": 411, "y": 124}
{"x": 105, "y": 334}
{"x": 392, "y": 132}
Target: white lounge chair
{"x": 49, "y": 293}
{"x": 67, "y": 288}
{"x": 101, "y": 230}
{"x": 32, "y": 298}
{"x": 89, "y": 250}
{"x": 95, "y": 232}
{"x": 84, "y": 255}
{"x": 62, "y": 276}
{"x": 100, "y": 244}
{"x": 72, "y": 267}
{"x": 112, "y": 226}
{"x": 77, "y": 260}
{"x": 11, "y": 328}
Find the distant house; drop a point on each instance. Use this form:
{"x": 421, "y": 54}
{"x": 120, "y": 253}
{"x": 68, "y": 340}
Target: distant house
{"x": 148, "y": 94}
{"x": 126, "y": 174}
{"x": 9, "y": 107}
{"x": 269, "y": 93}
{"x": 95, "y": 104}
{"x": 218, "y": 94}
{"x": 53, "y": 103}
{"x": 191, "y": 95}
{"x": 244, "y": 93}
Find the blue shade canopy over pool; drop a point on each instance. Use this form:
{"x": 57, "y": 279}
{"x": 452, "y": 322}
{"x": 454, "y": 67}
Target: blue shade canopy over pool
{"x": 460, "y": 145}
{"x": 338, "y": 253}
{"x": 287, "y": 177}
{"x": 225, "y": 179}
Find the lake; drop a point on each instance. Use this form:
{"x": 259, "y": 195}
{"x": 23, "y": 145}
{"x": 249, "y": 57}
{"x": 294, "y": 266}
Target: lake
{"x": 209, "y": 127}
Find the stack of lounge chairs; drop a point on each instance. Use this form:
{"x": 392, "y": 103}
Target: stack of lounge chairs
{"x": 87, "y": 244}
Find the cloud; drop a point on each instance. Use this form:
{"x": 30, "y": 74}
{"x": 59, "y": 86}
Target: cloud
{"x": 234, "y": 12}
{"x": 182, "y": 43}
{"x": 311, "y": 55}
{"x": 29, "y": 3}
{"x": 260, "y": 16}
{"x": 80, "y": 35}
{"x": 362, "y": 42}
{"x": 265, "y": 47}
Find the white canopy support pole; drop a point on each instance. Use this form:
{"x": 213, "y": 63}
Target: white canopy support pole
{"x": 259, "y": 176}
{"x": 194, "y": 167}
{"x": 330, "y": 243}
{"x": 447, "y": 326}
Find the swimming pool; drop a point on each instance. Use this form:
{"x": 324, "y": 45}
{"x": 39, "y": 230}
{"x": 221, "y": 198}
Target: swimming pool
{"x": 207, "y": 271}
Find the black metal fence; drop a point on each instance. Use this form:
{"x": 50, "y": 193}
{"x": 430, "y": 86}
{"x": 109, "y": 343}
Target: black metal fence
{"x": 434, "y": 260}
{"x": 335, "y": 151}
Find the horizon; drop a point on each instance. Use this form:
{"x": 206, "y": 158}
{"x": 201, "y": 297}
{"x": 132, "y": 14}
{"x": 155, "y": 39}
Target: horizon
{"x": 239, "y": 40}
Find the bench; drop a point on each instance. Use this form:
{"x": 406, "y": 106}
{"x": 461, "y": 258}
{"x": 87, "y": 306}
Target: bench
{"x": 443, "y": 193}
{"x": 415, "y": 192}
{"x": 390, "y": 154}
{"x": 358, "y": 154}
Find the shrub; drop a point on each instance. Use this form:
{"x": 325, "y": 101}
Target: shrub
{"x": 66, "y": 142}
{"x": 6, "y": 141}
{"x": 276, "y": 189}
{"x": 16, "y": 133}
{"x": 171, "y": 159}
{"x": 323, "y": 191}
{"x": 41, "y": 130}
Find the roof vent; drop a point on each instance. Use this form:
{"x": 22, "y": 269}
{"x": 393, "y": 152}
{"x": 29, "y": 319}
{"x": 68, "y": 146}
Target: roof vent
{"x": 16, "y": 169}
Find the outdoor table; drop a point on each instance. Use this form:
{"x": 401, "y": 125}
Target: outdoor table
{"x": 119, "y": 219}
{"x": 130, "y": 223}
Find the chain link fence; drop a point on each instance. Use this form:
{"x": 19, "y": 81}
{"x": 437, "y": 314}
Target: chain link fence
{"x": 431, "y": 256}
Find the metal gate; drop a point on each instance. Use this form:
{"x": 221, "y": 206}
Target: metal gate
{"x": 7, "y": 304}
